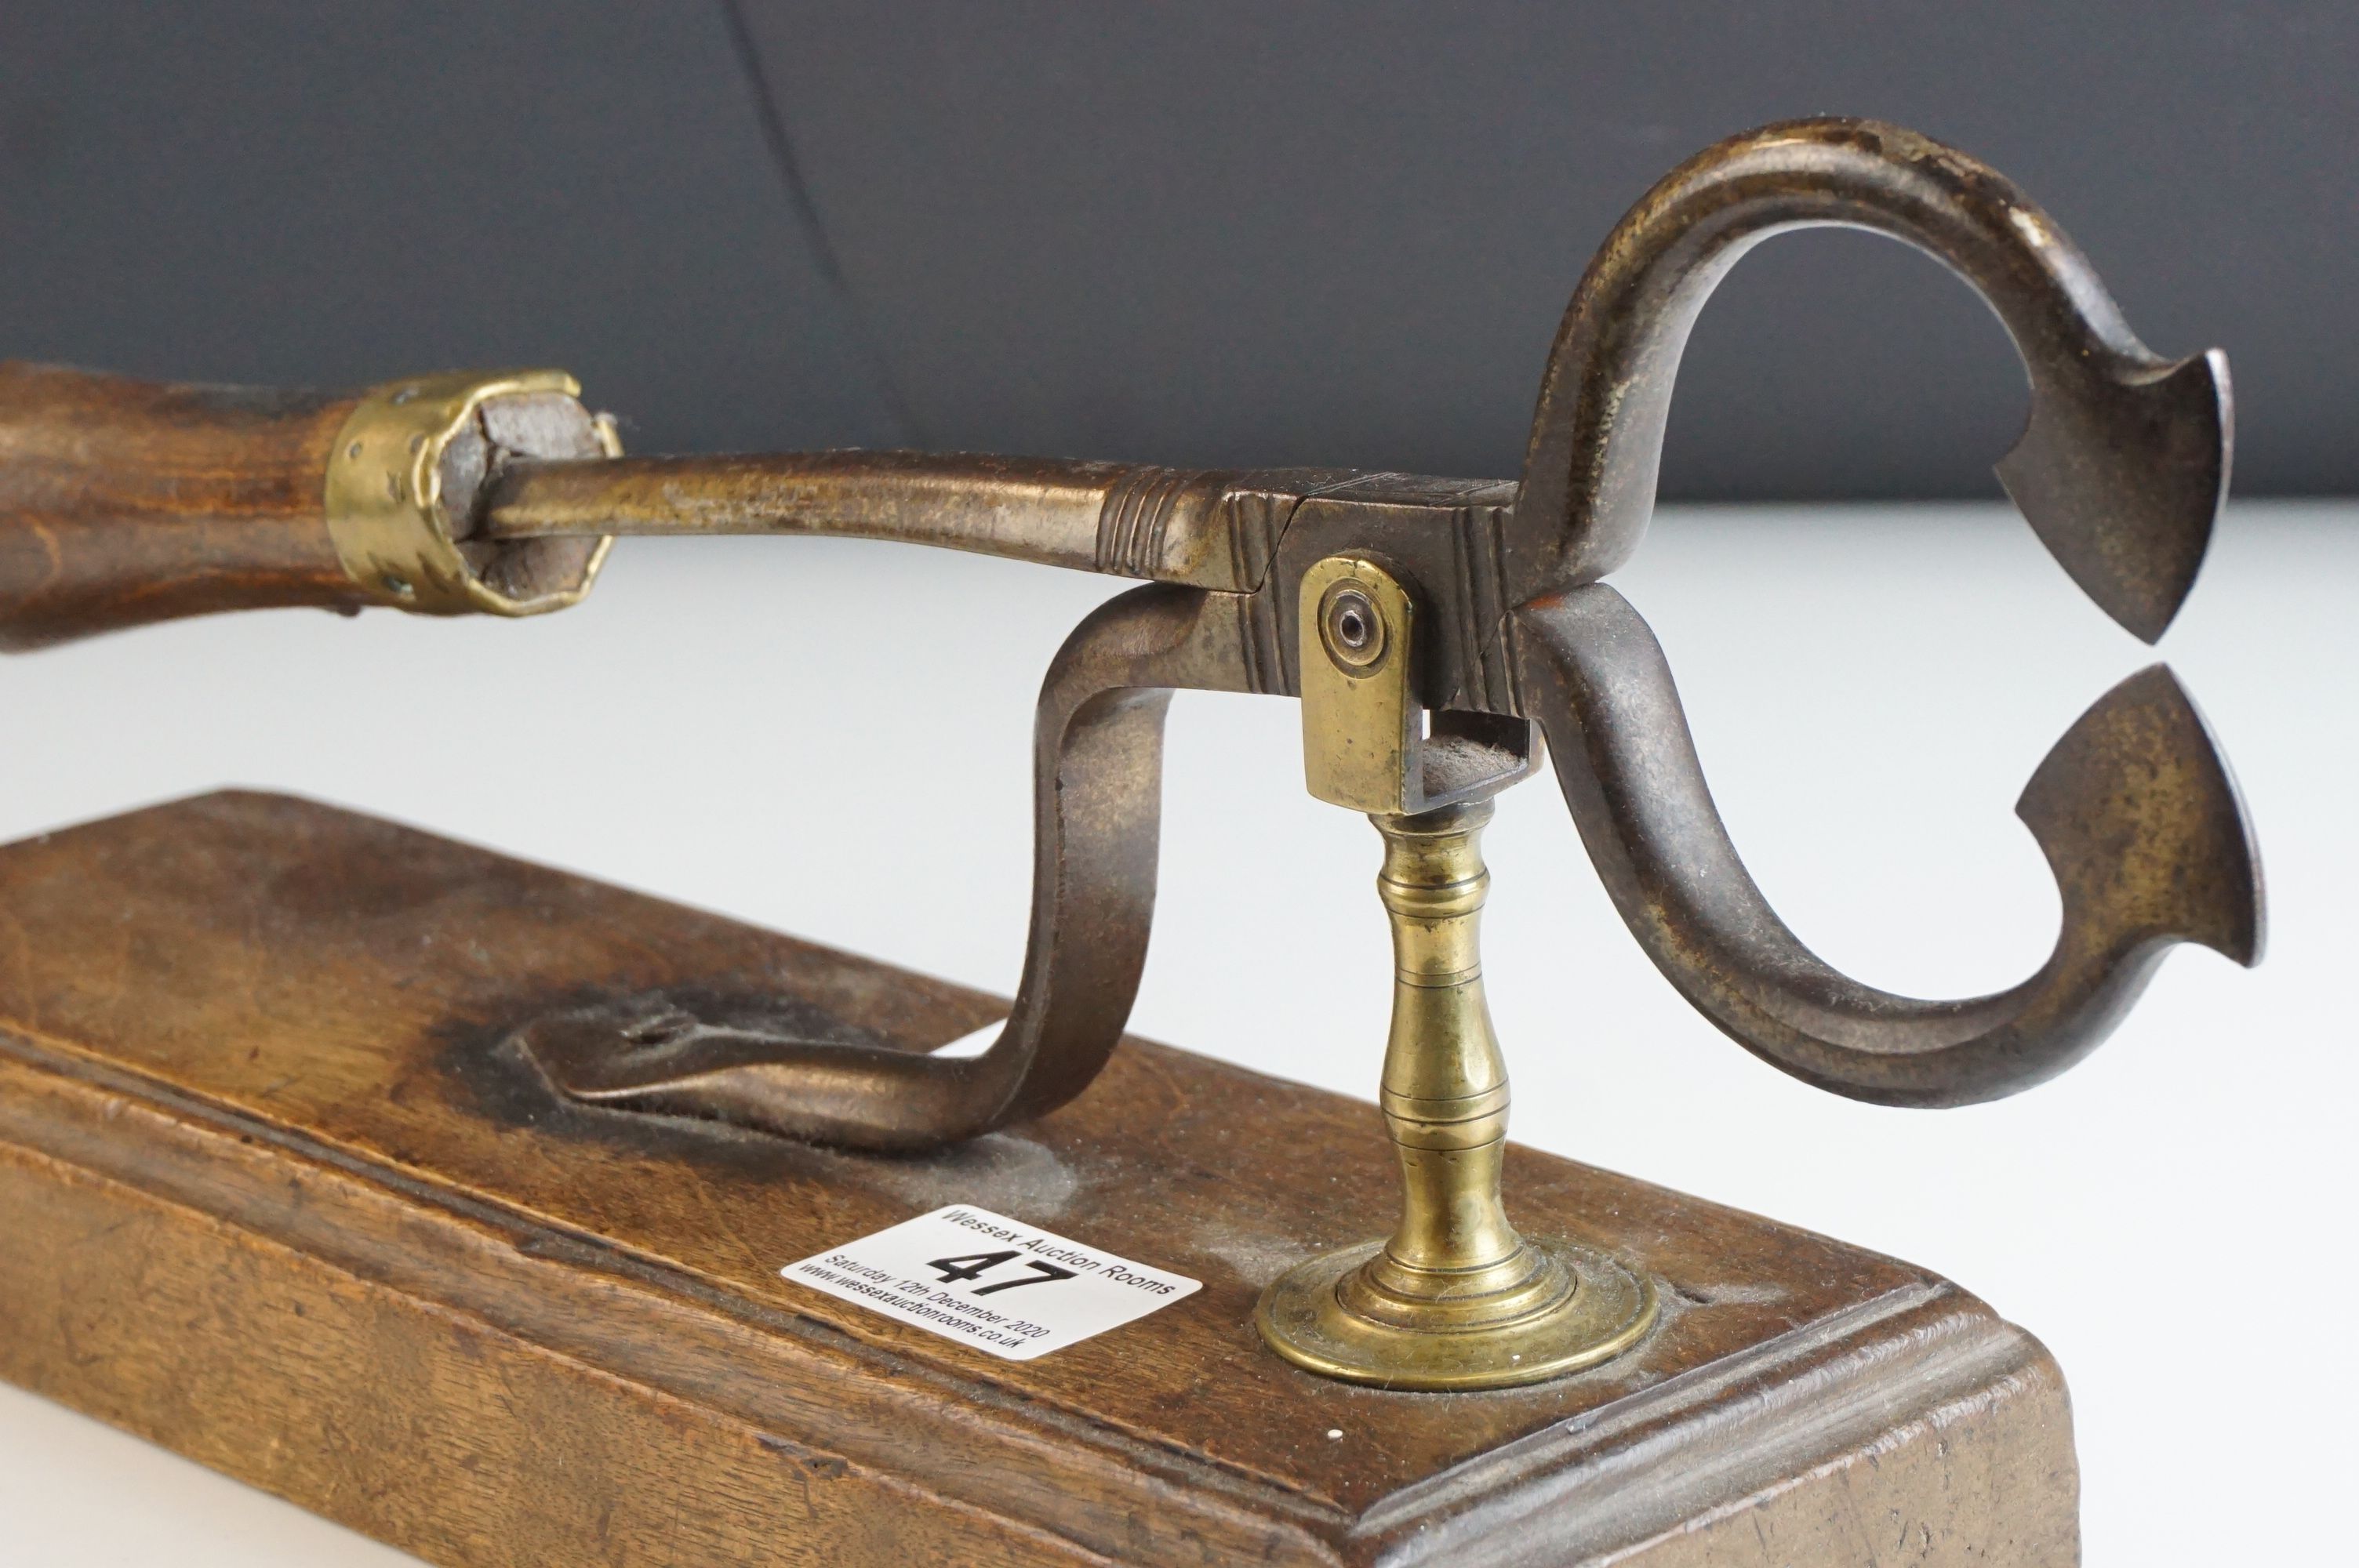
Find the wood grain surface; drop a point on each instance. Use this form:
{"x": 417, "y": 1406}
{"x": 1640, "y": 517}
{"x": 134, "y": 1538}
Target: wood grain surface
{"x": 284, "y": 1199}
{"x": 126, "y": 501}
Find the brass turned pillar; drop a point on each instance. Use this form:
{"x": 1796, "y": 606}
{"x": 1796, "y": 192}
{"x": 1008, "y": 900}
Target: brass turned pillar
{"x": 1455, "y": 1298}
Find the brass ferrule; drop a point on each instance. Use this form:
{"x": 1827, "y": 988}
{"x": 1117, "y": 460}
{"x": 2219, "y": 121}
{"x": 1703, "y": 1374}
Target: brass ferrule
{"x": 406, "y": 470}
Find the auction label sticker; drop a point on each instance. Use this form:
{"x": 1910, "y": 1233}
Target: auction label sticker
{"x": 1012, "y": 1290}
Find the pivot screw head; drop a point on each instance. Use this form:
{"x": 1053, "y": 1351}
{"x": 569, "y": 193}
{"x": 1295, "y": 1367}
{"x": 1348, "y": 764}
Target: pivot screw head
{"x": 1351, "y": 627}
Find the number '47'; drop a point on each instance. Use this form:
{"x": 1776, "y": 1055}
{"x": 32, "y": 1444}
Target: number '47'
{"x": 975, "y": 1264}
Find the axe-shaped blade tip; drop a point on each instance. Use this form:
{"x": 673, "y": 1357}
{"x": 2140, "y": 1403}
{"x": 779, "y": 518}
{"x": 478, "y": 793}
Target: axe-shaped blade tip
{"x": 2122, "y": 471}
{"x": 2142, "y": 823}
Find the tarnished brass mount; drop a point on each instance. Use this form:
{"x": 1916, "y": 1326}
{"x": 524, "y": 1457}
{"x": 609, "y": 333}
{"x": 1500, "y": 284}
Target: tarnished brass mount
{"x": 405, "y": 475}
{"x": 1456, "y": 1298}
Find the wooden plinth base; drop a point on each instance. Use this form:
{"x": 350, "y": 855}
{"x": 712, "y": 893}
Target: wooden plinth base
{"x": 279, "y": 1196}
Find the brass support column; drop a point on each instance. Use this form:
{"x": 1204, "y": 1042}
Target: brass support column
{"x": 1456, "y": 1299}
{"x": 1445, "y": 1093}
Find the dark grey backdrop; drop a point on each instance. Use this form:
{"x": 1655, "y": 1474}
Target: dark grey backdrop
{"x": 1236, "y": 232}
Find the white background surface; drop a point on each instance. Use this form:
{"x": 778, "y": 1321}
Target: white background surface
{"x": 830, "y": 738}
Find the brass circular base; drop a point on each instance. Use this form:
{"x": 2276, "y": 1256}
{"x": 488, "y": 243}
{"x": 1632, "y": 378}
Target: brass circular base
{"x": 1303, "y": 1317}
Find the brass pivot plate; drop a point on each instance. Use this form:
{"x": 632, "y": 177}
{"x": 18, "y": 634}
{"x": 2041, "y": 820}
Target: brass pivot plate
{"x": 1366, "y": 737}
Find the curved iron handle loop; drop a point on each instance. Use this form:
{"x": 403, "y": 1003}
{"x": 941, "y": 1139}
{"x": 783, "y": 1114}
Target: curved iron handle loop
{"x": 2120, "y": 466}
{"x": 1098, "y": 765}
{"x": 2121, "y": 470}
{"x": 2133, "y": 809}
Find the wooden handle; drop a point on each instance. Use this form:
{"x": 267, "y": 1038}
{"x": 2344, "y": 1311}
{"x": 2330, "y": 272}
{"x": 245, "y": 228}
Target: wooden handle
{"x": 127, "y": 501}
